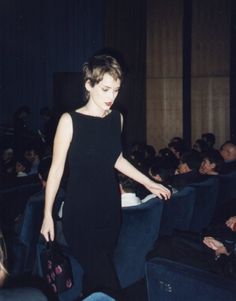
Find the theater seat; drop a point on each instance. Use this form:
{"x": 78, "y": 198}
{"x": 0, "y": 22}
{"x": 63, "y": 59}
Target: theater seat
{"x": 177, "y": 211}
{"x": 171, "y": 281}
{"x": 204, "y": 206}
{"x": 139, "y": 231}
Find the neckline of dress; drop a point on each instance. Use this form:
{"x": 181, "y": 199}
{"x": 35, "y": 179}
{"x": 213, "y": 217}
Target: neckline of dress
{"x": 97, "y": 117}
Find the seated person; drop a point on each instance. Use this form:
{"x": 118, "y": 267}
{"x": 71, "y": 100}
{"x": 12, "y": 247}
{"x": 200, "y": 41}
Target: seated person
{"x": 210, "y": 139}
{"x": 228, "y": 152}
{"x": 32, "y": 155}
{"x": 200, "y": 146}
{"x": 128, "y": 189}
{"x": 210, "y": 254}
{"x": 22, "y": 167}
{"x": 11, "y": 289}
{"x": 177, "y": 148}
{"x": 188, "y": 171}
{"x": 212, "y": 162}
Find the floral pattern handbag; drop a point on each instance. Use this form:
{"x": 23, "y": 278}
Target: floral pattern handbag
{"x": 56, "y": 268}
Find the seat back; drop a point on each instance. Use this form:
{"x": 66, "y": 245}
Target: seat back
{"x": 204, "y": 206}
{"x": 177, "y": 211}
{"x": 139, "y": 231}
{"x": 226, "y": 196}
{"x": 171, "y": 281}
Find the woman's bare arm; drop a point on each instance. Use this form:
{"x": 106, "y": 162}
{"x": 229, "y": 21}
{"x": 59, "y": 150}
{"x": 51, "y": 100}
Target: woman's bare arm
{"x": 129, "y": 170}
{"x": 61, "y": 145}
{"x": 125, "y": 167}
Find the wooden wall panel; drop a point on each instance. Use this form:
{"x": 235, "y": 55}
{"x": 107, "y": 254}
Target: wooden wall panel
{"x": 210, "y": 107}
{"x": 164, "y": 110}
{"x": 164, "y": 70}
{"x": 210, "y": 68}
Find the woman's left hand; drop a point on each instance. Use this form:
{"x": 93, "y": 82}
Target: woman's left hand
{"x": 159, "y": 190}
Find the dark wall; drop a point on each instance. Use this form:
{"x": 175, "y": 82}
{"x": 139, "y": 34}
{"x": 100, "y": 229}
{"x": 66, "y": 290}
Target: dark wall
{"x": 39, "y": 38}
{"x": 125, "y": 30}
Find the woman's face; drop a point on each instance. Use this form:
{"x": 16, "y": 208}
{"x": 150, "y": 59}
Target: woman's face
{"x": 104, "y": 93}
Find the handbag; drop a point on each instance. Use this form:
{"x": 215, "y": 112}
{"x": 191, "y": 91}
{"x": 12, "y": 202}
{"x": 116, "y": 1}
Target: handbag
{"x": 56, "y": 268}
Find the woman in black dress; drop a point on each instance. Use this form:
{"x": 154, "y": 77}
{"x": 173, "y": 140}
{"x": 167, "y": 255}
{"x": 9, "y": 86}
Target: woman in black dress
{"x": 90, "y": 136}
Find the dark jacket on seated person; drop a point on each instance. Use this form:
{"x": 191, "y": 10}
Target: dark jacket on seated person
{"x": 228, "y": 167}
{"x": 189, "y": 249}
{"x": 188, "y": 171}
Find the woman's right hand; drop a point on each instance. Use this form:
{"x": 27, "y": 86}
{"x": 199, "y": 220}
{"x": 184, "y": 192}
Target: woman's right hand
{"x": 47, "y": 229}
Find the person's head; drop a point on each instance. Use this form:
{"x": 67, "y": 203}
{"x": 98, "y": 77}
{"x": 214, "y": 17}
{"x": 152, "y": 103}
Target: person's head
{"x": 176, "y": 139}
{"x": 31, "y": 154}
{"x": 161, "y": 174}
{"x": 212, "y": 162}
{"x": 177, "y": 148}
{"x": 22, "y": 113}
{"x": 190, "y": 161}
{"x": 43, "y": 170}
{"x": 127, "y": 185}
{"x": 228, "y": 151}
{"x": 7, "y": 155}
{"x": 167, "y": 158}
{"x": 102, "y": 79}
{"x": 22, "y": 165}
{"x": 209, "y": 138}
{"x": 200, "y": 145}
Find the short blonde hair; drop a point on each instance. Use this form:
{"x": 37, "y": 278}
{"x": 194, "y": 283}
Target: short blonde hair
{"x": 97, "y": 66}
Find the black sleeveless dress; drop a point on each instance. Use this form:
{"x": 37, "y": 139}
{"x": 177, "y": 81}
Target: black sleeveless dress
{"x": 92, "y": 210}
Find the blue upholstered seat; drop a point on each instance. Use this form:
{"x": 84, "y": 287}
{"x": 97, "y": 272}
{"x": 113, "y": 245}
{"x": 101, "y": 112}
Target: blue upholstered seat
{"x": 204, "y": 206}
{"x": 171, "y": 281}
{"x": 177, "y": 211}
{"x": 99, "y": 297}
{"x": 226, "y": 197}
{"x": 139, "y": 231}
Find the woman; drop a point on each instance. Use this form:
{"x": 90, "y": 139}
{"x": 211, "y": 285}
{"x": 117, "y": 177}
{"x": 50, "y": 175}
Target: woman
{"x": 91, "y": 138}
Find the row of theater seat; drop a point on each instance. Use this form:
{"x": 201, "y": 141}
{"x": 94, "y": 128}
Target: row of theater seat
{"x": 191, "y": 209}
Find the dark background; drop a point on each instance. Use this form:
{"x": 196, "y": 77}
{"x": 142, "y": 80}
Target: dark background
{"x": 45, "y": 42}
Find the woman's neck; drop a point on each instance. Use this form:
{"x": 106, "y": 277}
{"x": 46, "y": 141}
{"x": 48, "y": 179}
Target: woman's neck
{"x": 90, "y": 109}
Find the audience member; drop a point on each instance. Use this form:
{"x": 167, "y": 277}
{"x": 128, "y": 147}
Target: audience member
{"x": 177, "y": 148}
{"x": 188, "y": 170}
{"x": 212, "y": 163}
{"x": 12, "y": 289}
{"x": 210, "y": 139}
{"x": 209, "y": 254}
{"x": 176, "y": 139}
{"x": 200, "y": 146}
{"x": 228, "y": 152}
{"x": 23, "y": 167}
{"x": 7, "y": 161}
{"x": 160, "y": 173}
{"x": 167, "y": 157}
{"x": 49, "y": 123}
{"x": 128, "y": 191}
{"x": 32, "y": 155}
{"x": 22, "y": 132}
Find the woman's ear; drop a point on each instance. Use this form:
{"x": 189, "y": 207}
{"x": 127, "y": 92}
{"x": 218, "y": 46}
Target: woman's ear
{"x": 88, "y": 85}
